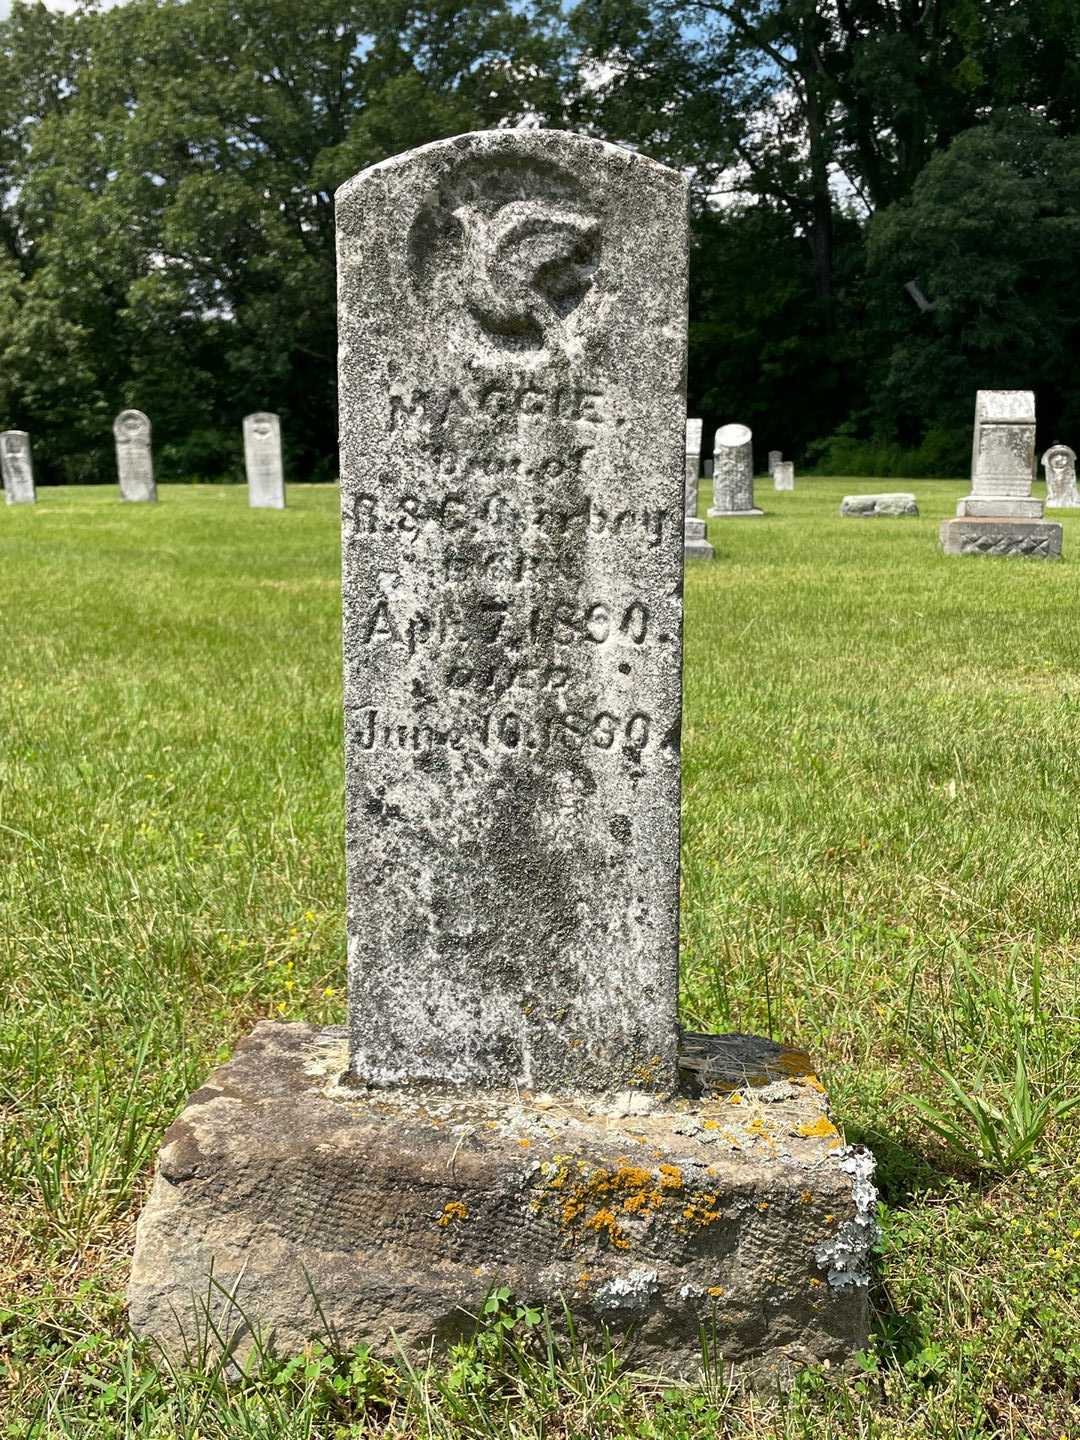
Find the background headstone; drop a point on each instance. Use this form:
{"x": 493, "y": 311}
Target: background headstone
{"x": 512, "y": 315}
{"x": 889, "y": 505}
{"x": 262, "y": 461}
{"x": 733, "y": 473}
{"x": 693, "y": 466}
{"x": 1003, "y": 457}
{"x": 695, "y": 532}
{"x": 17, "y": 466}
{"x": 134, "y": 461}
{"x": 775, "y": 458}
{"x": 1059, "y": 467}
{"x": 783, "y": 473}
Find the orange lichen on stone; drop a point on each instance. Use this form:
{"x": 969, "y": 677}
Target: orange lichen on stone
{"x": 605, "y": 1222}
{"x": 757, "y": 1129}
{"x": 811, "y": 1082}
{"x": 806, "y": 1198}
{"x": 735, "y": 1098}
{"x": 716, "y": 1290}
{"x": 598, "y": 1200}
{"x": 452, "y": 1210}
{"x": 524, "y": 1144}
{"x": 763, "y": 1205}
{"x": 820, "y": 1129}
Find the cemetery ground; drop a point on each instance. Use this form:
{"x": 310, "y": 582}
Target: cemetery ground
{"x": 880, "y": 823}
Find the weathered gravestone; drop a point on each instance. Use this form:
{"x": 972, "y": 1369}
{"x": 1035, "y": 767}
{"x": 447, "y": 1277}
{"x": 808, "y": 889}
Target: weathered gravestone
{"x": 134, "y": 461}
{"x": 776, "y": 457}
{"x": 262, "y": 461}
{"x": 1059, "y": 467}
{"x": 17, "y": 466}
{"x": 1001, "y": 516}
{"x": 888, "y": 505}
{"x": 695, "y": 534}
{"x": 783, "y": 473}
{"x": 510, "y": 1104}
{"x": 733, "y": 473}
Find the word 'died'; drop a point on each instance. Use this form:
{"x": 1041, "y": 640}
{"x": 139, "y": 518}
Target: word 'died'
{"x": 497, "y": 515}
{"x": 490, "y": 621}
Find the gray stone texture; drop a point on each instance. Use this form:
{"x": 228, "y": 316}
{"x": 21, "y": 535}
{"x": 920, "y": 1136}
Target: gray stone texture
{"x": 512, "y": 321}
{"x": 17, "y": 466}
{"x": 889, "y": 506}
{"x": 289, "y": 1205}
{"x": 783, "y": 473}
{"x": 1040, "y": 539}
{"x": 134, "y": 460}
{"x": 733, "y": 473}
{"x": 1003, "y": 457}
{"x": 1059, "y": 467}
{"x": 262, "y": 461}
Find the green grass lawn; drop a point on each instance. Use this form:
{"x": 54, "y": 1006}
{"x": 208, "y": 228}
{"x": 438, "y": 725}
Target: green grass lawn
{"x": 881, "y": 797}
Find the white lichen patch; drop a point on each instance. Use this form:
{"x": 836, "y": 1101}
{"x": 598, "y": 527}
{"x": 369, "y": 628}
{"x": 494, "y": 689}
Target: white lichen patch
{"x": 627, "y": 1292}
{"x": 845, "y": 1255}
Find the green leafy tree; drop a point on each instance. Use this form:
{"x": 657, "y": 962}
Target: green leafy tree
{"x": 171, "y": 229}
{"x": 992, "y": 231}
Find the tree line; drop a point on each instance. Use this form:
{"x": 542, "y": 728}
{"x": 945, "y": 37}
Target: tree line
{"x": 885, "y": 205}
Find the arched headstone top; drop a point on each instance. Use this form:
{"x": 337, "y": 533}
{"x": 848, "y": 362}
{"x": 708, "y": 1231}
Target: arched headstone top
{"x": 1059, "y": 455}
{"x": 131, "y": 427}
{"x": 511, "y": 240}
{"x": 732, "y": 436}
{"x": 262, "y": 424}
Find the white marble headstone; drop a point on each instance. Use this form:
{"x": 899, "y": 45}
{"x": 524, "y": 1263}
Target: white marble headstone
{"x": 134, "y": 461}
{"x": 733, "y": 473}
{"x": 1003, "y": 457}
{"x": 262, "y": 460}
{"x": 17, "y": 466}
{"x": 1059, "y": 467}
{"x": 783, "y": 473}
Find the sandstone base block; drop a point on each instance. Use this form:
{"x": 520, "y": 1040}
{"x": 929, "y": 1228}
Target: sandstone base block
{"x": 695, "y": 541}
{"x": 1002, "y": 535}
{"x": 888, "y": 506}
{"x": 292, "y": 1205}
